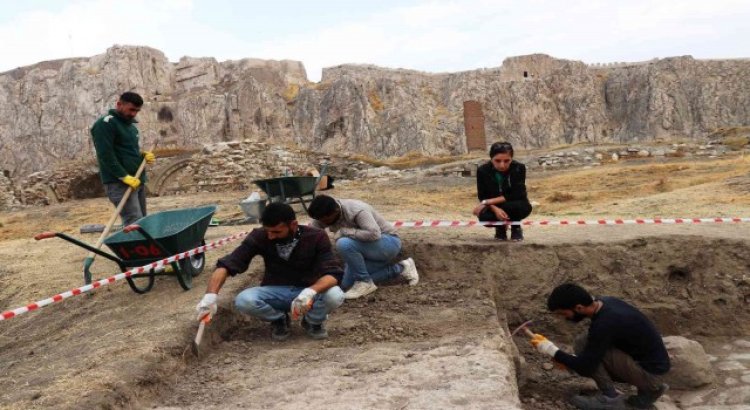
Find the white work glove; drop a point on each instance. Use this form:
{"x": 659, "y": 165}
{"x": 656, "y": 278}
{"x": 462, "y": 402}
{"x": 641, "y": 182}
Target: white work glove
{"x": 207, "y": 306}
{"x": 543, "y": 345}
{"x": 303, "y": 303}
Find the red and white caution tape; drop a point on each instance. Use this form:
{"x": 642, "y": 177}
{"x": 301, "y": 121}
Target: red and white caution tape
{"x": 103, "y": 282}
{"x": 639, "y": 221}
{"x": 414, "y": 224}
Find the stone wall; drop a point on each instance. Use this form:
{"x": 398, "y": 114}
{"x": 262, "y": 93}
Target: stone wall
{"x": 218, "y": 167}
{"x": 8, "y": 197}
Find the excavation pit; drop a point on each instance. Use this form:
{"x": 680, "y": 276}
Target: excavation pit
{"x": 445, "y": 343}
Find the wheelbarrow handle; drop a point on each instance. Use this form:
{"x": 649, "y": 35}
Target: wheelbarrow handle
{"x": 45, "y": 235}
{"x": 131, "y": 228}
{"x": 84, "y": 245}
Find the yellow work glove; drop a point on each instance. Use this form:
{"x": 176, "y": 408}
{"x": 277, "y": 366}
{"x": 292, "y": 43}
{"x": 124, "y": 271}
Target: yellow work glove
{"x": 131, "y": 181}
{"x": 543, "y": 345}
{"x": 149, "y": 157}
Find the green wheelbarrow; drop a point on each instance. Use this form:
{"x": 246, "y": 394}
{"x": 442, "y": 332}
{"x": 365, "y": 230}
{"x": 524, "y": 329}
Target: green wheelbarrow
{"x": 153, "y": 238}
{"x": 289, "y": 190}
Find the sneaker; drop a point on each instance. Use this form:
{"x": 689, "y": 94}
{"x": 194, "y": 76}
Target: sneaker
{"x": 645, "y": 400}
{"x": 410, "y": 271}
{"x": 316, "y": 332}
{"x": 501, "y": 232}
{"x": 280, "y": 328}
{"x": 516, "y": 233}
{"x": 360, "y": 289}
{"x": 599, "y": 402}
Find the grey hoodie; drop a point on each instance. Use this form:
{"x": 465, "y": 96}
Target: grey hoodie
{"x": 358, "y": 221}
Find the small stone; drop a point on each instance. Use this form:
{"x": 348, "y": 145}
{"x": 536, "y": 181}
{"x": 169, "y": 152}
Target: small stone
{"x": 227, "y": 361}
{"x": 548, "y": 366}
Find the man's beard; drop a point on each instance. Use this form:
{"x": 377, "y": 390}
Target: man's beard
{"x": 283, "y": 241}
{"x": 577, "y": 317}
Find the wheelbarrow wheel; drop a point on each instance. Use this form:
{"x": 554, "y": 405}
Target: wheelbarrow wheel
{"x": 141, "y": 283}
{"x": 194, "y": 264}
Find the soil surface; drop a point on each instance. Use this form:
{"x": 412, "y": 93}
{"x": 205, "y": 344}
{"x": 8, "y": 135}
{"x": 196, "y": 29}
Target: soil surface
{"x": 444, "y": 343}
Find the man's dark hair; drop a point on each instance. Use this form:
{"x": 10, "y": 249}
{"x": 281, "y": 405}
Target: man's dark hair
{"x": 322, "y": 206}
{"x": 501, "y": 148}
{"x": 131, "y": 97}
{"x": 277, "y": 213}
{"x": 567, "y": 296}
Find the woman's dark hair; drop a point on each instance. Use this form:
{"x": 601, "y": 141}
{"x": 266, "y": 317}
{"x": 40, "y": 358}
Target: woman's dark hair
{"x": 501, "y": 148}
{"x": 322, "y": 206}
{"x": 567, "y": 296}
{"x": 277, "y": 213}
{"x": 131, "y": 97}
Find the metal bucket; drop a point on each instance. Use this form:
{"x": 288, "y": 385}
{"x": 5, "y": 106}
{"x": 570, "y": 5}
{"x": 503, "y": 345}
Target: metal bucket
{"x": 253, "y": 209}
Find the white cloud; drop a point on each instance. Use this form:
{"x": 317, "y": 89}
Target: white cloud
{"x": 437, "y": 35}
{"x": 86, "y": 28}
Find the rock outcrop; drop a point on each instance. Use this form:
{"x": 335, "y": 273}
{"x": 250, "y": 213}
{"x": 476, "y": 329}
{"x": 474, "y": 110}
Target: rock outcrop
{"x": 691, "y": 367}
{"x": 534, "y": 101}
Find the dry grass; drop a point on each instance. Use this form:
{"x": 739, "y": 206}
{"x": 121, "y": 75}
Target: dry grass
{"x": 291, "y": 93}
{"x": 375, "y": 102}
{"x": 737, "y": 143}
{"x": 411, "y": 160}
{"x": 610, "y": 185}
{"x": 735, "y": 138}
{"x": 173, "y": 152}
{"x": 321, "y": 86}
{"x": 560, "y": 197}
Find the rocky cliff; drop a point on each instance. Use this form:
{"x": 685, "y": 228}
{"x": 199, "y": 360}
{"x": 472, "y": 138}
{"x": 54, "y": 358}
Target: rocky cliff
{"x": 533, "y": 101}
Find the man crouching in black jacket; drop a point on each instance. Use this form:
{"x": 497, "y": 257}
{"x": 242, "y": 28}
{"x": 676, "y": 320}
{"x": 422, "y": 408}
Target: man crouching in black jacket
{"x": 501, "y": 189}
{"x": 621, "y": 345}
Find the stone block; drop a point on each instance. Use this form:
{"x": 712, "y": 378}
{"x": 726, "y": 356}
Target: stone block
{"x": 691, "y": 367}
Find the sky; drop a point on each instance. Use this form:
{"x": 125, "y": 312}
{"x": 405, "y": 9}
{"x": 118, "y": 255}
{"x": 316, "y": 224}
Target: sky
{"x": 432, "y": 36}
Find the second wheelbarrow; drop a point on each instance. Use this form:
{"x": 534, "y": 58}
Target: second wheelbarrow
{"x": 153, "y": 238}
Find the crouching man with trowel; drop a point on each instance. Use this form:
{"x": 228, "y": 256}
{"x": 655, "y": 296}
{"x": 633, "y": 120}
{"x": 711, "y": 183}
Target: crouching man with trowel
{"x": 622, "y": 345}
{"x": 301, "y": 275}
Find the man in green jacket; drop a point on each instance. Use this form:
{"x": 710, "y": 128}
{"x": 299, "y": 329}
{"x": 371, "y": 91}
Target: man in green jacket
{"x": 118, "y": 153}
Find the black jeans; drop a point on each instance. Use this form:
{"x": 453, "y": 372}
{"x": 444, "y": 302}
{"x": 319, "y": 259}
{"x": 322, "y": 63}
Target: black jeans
{"x": 516, "y": 210}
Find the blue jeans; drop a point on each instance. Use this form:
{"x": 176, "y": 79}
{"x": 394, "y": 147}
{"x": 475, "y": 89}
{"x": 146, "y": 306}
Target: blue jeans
{"x": 369, "y": 261}
{"x": 135, "y": 206}
{"x": 270, "y": 303}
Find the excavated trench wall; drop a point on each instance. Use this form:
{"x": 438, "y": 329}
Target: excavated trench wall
{"x": 690, "y": 286}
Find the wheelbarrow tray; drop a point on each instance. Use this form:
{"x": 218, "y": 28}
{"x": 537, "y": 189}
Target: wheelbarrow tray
{"x": 289, "y": 190}
{"x": 288, "y": 187}
{"x": 175, "y": 231}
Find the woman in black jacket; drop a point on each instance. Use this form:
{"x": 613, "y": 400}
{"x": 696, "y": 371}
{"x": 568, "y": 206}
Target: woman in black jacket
{"x": 501, "y": 189}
